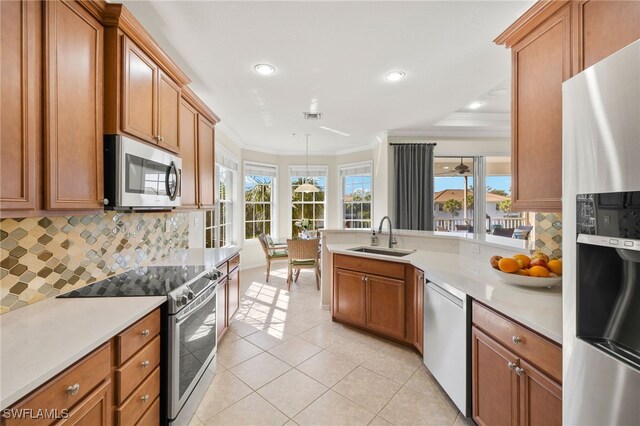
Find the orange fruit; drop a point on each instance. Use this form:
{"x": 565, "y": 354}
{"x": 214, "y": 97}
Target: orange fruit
{"x": 555, "y": 266}
{"x": 539, "y": 271}
{"x": 524, "y": 272}
{"x": 506, "y": 264}
{"x": 541, "y": 255}
{"x": 524, "y": 259}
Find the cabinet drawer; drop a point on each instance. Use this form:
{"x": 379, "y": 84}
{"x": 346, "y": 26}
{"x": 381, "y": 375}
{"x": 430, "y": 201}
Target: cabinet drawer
{"x": 140, "y": 401}
{"x": 138, "y": 335}
{"x": 133, "y": 372}
{"x": 233, "y": 263}
{"x": 536, "y": 349}
{"x": 152, "y": 416}
{"x": 56, "y": 394}
{"x": 369, "y": 266}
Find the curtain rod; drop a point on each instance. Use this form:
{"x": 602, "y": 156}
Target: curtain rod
{"x": 414, "y": 143}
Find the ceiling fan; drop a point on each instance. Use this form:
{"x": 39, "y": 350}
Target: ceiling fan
{"x": 460, "y": 169}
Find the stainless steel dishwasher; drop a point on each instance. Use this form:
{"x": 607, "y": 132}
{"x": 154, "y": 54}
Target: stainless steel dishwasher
{"x": 445, "y": 340}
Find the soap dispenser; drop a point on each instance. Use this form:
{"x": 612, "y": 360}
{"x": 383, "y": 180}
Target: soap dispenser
{"x": 374, "y": 238}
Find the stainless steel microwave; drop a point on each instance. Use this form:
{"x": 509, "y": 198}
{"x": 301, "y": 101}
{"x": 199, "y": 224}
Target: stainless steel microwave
{"x": 138, "y": 176}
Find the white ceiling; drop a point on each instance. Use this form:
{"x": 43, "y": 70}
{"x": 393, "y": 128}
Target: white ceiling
{"x": 331, "y": 57}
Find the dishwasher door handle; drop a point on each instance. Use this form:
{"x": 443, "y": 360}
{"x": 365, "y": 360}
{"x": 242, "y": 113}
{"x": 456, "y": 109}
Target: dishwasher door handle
{"x": 445, "y": 294}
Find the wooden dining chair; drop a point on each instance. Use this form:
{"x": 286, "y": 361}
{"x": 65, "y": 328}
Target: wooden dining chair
{"x": 271, "y": 252}
{"x": 303, "y": 254}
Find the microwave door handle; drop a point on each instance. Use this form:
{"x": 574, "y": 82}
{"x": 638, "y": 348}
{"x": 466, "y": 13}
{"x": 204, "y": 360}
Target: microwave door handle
{"x": 172, "y": 166}
{"x": 179, "y": 183}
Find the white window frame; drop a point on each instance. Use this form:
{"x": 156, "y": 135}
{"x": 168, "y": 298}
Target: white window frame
{"x": 272, "y": 168}
{"x": 312, "y": 173}
{"x": 350, "y": 166}
{"x": 226, "y": 160}
{"x": 231, "y": 202}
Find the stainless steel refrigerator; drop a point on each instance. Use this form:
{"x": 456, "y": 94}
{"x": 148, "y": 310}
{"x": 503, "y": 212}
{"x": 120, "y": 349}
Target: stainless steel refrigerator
{"x": 601, "y": 242}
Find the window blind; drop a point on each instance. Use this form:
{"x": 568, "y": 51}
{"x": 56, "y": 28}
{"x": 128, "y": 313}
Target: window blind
{"x": 314, "y": 171}
{"x": 253, "y": 169}
{"x": 362, "y": 169}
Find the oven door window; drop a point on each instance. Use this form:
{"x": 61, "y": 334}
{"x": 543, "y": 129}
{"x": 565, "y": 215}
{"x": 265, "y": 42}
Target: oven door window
{"x": 197, "y": 343}
{"x": 146, "y": 176}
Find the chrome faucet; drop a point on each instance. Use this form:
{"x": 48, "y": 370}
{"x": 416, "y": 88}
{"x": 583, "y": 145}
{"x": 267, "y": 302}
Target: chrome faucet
{"x": 392, "y": 240}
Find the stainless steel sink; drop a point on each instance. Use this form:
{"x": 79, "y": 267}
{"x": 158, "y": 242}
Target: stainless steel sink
{"x": 382, "y": 251}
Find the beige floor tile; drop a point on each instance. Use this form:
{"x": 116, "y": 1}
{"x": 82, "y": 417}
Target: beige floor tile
{"x": 290, "y": 326}
{"x": 229, "y": 336}
{"x": 367, "y": 389}
{"x": 327, "y": 367}
{"x": 295, "y": 351}
{"x": 233, "y": 353}
{"x": 260, "y": 370}
{"x": 292, "y": 392}
{"x": 252, "y": 410}
{"x": 422, "y": 381}
{"x": 225, "y": 390}
{"x": 379, "y": 421}
{"x": 195, "y": 421}
{"x": 291, "y": 423}
{"x": 333, "y": 409}
{"x": 354, "y": 351}
{"x": 321, "y": 335}
{"x": 409, "y": 407}
{"x": 461, "y": 420}
{"x": 244, "y": 328}
{"x": 267, "y": 339}
{"x": 396, "y": 369}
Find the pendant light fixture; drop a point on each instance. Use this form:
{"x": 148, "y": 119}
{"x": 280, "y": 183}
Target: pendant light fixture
{"x": 306, "y": 186}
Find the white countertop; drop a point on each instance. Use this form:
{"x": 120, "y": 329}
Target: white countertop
{"x": 207, "y": 257}
{"x": 41, "y": 340}
{"x": 538, "y": 309}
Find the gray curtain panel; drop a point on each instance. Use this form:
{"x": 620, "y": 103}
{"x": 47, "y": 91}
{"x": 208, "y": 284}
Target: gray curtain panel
{"x": 413, "y": 186}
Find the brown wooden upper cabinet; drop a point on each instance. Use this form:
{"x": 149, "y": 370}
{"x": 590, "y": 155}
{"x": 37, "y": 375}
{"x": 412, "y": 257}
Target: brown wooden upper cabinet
{"x": 550, "y": 43}
{"x": 20, "y": 98}
{"x": 150, "y": 99}
{"x": 73, "y": 99}
{"x": 188, "y": 152}
{"x": 206, "y": 162}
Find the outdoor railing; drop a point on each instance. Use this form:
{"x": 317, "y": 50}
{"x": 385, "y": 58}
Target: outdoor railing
{"x": 449, "y": 225}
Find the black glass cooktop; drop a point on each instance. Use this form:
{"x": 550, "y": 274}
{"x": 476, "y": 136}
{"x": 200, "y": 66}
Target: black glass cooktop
{"x": 144, "y": 281}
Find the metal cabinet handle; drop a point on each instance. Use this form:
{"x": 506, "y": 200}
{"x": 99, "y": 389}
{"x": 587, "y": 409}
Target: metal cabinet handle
{"x": 73, "y": 389}
{"x": 145, "y": 333}
{"x": 145, "y": 398}
{"x": 105, "y": 201}
{"x": 144, "y": 364}
{"x": 511, "y": 366}
{"x": 519, "y": 371}
{"x": 516, "y": 339}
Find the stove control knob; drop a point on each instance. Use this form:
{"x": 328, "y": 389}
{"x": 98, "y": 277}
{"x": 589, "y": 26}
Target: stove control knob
{"x": 183, "y": 300}
{"x": 190, "y": 295}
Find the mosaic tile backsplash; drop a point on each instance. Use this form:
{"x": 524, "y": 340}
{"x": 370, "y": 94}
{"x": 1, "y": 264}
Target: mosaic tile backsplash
{"x": 43, "y": 257}
{"x": 548, "y": 230}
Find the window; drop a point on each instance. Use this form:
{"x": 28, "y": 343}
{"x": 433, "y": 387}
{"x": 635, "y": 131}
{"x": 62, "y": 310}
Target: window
{"x": 259, "y": 199}
{"x": 308, "y": 205}
{"x": 356, "y": 184}
{"x": 219, "y": 221}
{"x": 453, "y": 193}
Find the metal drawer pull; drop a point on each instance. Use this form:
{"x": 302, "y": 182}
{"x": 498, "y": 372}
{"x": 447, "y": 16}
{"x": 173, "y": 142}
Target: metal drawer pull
{"x": 519, "y": 371}
{"x": 73, "y": 389}
{"x": 516, "y": 339}
{"x": 511, "y": 366}
{"x": 145, "y": 398}
{"x": 145, "y": 333}
{"x": 144, "y": 364}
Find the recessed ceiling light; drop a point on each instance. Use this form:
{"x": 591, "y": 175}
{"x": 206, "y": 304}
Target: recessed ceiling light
{"x": 475, "y": 105}
{"x": 264, "y": 69}
{"x": 395, "y": 75}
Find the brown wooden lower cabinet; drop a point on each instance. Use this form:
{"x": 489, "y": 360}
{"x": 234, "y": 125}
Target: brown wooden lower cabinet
{"x": 234, "y": 293}
{"x": 507, "y": 387}
{"x": 385, "y": 305}
{"x": 221, "y": 308}
{"x": 228, "y": 296}
{"x": 349, "y": 296}
{"x": 94, "y": 410}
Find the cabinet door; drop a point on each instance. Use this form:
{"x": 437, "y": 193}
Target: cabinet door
{"x": 349, "y": 296}
{"x": 94, "y": 410}
{"x": 20, "y": 137}
{"x": 418, "y": 304}
{"x": 494, "y": 384}
{"x": 188, "y": 152}
{"x": 234, "y": 293}
{"x": 541, "y": 62}
{"x": 205, "y": 162}
{"x": 385, "y": 305}
{"x": 168, "y": 107}
{"x": 139, "y": 91}
{"x": 221, "y": 308}
{"x": 540, "y": 398}
{"x": 73, "y": 121}
{"x": 601, "y": 28}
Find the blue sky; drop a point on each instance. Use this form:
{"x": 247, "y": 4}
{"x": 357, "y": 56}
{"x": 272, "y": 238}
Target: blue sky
{"x": 497, "y": 182}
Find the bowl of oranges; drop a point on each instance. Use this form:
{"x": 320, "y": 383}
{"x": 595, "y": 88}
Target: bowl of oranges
{"x": 536, "y": 270}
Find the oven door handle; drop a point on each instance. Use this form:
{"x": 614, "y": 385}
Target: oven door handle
{"x": 182, "y": 317}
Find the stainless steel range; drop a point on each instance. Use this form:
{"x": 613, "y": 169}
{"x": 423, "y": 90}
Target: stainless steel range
{"x": 188, "y": 331}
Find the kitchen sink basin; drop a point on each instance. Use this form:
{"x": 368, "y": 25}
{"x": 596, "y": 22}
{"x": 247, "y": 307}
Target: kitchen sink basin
{"x": 382, "y": 251}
